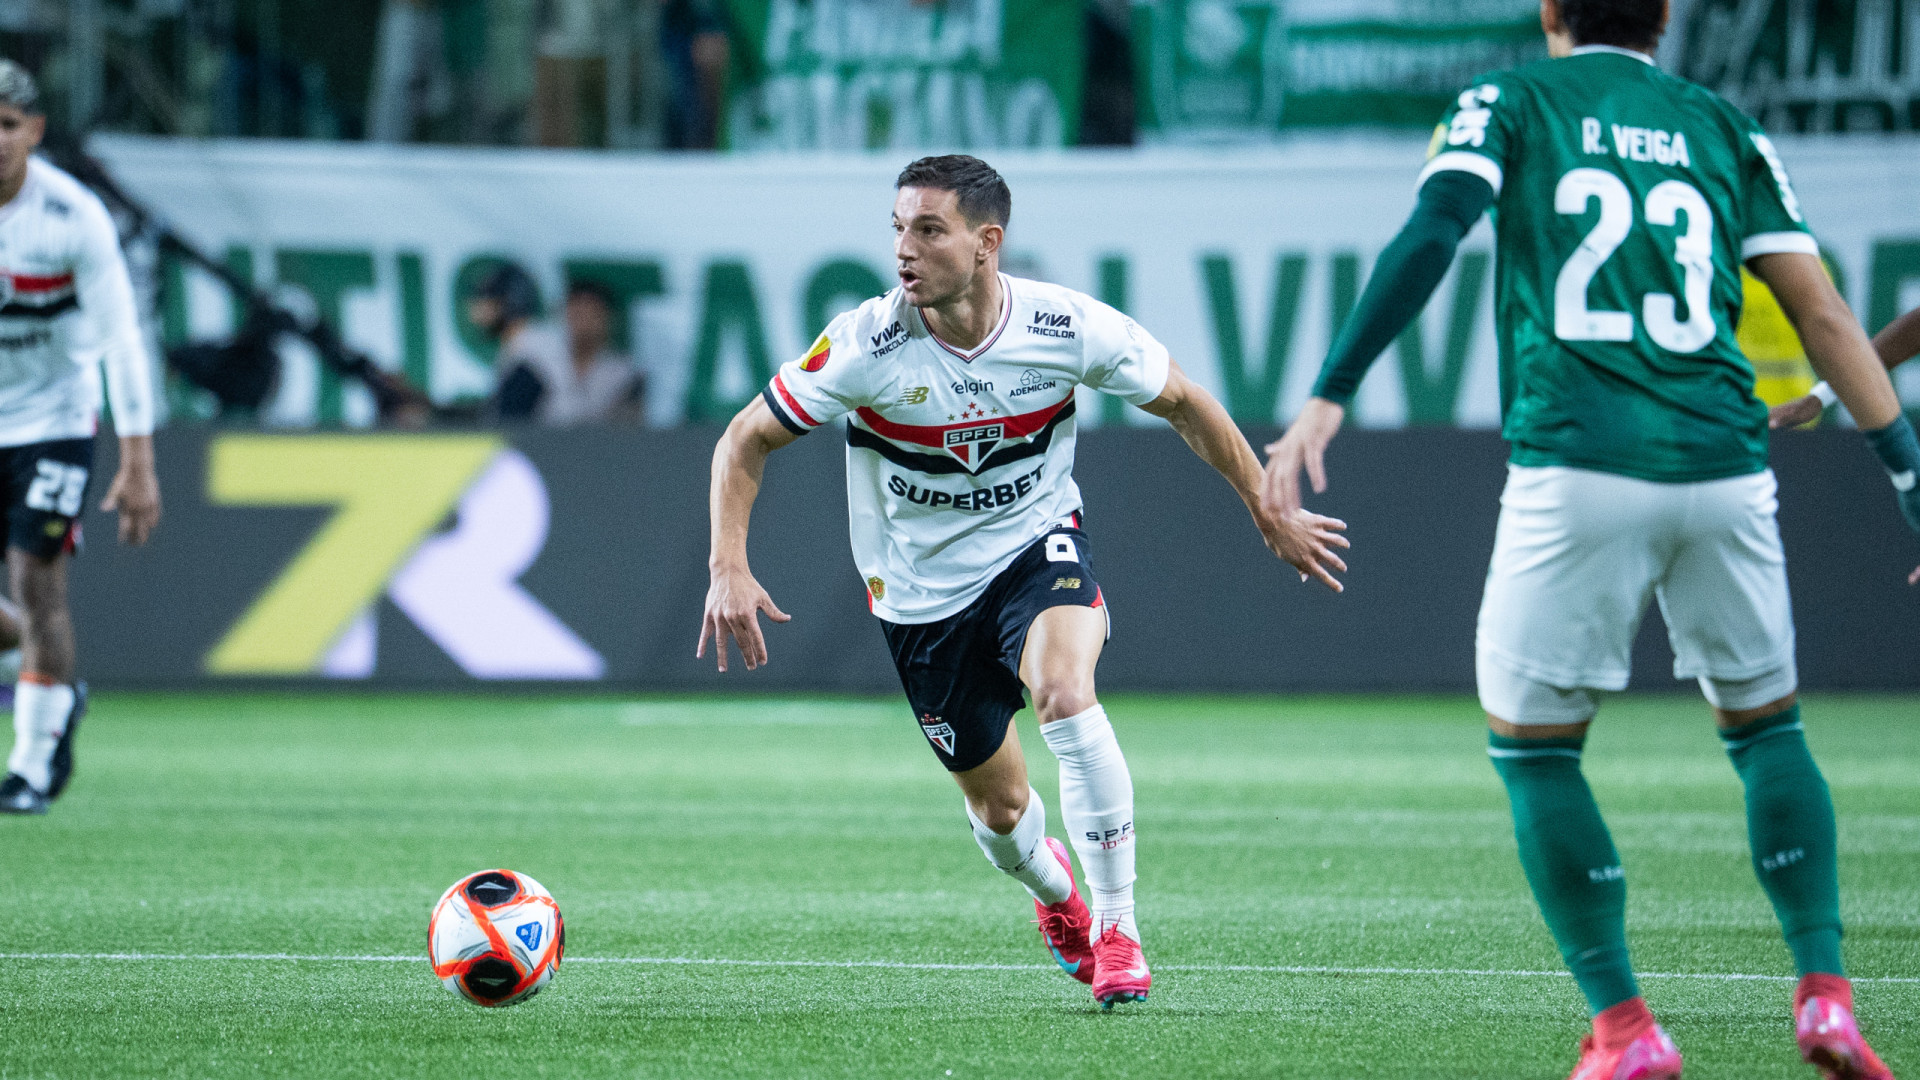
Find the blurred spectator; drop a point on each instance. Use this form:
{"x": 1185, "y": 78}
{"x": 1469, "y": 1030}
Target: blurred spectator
{"x": 556, "y": 375}
{"x": 1107, "y": 103}
{"x": 695, "y": 50}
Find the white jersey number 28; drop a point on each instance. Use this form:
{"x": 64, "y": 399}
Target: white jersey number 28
{"x": 1692, "y": 249}
{"x": 58, "y": 488}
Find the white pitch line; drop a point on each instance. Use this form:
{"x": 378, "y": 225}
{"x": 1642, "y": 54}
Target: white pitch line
{"x": 902, "y": 965}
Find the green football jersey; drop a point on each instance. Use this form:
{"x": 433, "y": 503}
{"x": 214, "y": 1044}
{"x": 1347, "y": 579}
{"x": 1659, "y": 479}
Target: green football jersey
{"x": 1626, "y": 200}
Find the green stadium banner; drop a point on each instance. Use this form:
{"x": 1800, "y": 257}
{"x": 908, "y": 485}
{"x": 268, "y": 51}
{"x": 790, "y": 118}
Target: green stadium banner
{"x": 905, "y": 75}
{"x": 1243, "y": 263}
{"x": 1238, "y": 70}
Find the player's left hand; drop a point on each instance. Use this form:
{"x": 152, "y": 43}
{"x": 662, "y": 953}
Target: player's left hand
{"x": 1801, "y": 410}
{"x": 135, "y": 495}
{"x": 1306, "y": 541}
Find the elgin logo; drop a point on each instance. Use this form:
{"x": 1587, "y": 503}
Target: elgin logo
{"x": 1112, "y": 838}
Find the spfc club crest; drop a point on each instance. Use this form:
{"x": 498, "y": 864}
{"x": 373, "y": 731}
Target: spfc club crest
{"x": 938, "y": 732}
{"x": 972, "y": 444}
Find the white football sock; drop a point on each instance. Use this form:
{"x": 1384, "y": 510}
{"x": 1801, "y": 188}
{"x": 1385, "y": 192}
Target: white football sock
{"x": 1096, "y": 803}
{"x": 39, "y": 719}
{"x": 1023, "y": 854}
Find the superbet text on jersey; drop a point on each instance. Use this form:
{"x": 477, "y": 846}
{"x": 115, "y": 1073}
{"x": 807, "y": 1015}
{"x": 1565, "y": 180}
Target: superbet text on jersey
{"x": 957, "y": 461}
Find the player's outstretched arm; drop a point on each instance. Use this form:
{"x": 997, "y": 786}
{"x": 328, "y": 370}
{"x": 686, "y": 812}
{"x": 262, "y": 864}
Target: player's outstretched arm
{"x": 1404, "y": 277}
{"x": 1306, "y": 540}
{"x": 1897, "y": 343}
{"x": 1841, "y": 355}
{"x": 734, "y": 598}
{"x": 107, "y": 305}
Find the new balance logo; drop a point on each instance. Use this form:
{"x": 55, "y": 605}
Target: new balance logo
{"x": 1065, "y": 583}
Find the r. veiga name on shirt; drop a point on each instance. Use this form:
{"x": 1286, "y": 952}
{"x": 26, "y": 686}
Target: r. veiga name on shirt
{"x": 1636, "y": 143}
{"x": 986, "y": 498}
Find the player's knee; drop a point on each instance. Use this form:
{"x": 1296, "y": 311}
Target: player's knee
{"x": 1754, "y": 698}
{"x": 1000, "y": 811}
{"x": 1056, "y": 696}
{"x": 1525, "y": 702}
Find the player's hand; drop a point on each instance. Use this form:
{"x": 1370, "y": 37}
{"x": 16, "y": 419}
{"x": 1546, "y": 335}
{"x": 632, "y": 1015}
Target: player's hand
{"x": 1306, "y": 541}
{"x": 1801, "y": 410}
{"x": 1304, "y": 446}
{"x": 734, "y": 603}
{"x": 135, "y": 495}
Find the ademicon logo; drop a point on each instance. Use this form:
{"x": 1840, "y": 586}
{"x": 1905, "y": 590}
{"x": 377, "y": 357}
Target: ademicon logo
{"x": 392, "y": 496}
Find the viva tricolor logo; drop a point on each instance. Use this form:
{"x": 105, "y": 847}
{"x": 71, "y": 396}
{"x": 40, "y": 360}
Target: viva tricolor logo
{"x": 391, "y": 495}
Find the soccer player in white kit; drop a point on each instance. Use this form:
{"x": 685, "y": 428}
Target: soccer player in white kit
{"x": 67, "y": 309}
{"x": 956, "y": 394}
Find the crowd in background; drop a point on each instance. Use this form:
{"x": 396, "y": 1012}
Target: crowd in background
{"x": 622, "y": 74}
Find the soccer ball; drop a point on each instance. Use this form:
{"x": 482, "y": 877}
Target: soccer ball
{"x": 496, "y": 938}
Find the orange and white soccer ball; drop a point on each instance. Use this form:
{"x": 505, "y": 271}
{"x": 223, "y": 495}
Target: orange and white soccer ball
{"x": 496, "y": 938}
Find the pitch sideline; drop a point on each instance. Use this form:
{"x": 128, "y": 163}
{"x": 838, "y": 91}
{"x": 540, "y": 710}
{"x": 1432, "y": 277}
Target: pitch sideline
{"x": 901, "y": 965}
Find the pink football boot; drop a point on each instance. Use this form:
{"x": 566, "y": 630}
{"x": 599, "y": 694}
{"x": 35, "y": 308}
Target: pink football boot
{"x": 1120, "y": 970}
{"x": 1635, "y": 1048}
{"x": 1067, "y": 925}
{"x": 1828, "y": 1036}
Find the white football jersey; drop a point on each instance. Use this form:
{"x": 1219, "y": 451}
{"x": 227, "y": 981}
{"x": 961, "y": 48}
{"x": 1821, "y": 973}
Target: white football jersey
{"x": 66, "y": 306}
{"x": 957, "y": 461}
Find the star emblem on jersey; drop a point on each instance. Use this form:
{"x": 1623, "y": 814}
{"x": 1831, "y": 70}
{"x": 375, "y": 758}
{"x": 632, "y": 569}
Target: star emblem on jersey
{"x": 938, "y": 732}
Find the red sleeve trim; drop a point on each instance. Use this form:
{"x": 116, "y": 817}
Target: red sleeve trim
{"x": 799, "y": 413}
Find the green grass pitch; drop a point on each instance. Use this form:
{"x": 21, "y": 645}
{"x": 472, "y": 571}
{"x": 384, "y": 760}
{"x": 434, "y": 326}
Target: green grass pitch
{"x": 1290, "y": 850}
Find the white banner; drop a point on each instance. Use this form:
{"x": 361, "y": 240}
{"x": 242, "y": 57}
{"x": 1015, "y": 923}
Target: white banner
{"x": 1242, "y": 262}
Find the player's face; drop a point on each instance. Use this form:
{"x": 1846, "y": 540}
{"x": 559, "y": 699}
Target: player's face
{"x": 589, "y": 322}
{"x": 20, "y": 134}
{"x": 936, "y": 252}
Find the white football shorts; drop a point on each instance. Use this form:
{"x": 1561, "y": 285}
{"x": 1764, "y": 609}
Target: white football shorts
{"x": 1578, "y": 554}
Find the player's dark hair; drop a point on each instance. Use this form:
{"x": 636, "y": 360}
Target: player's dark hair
{"x": 983, "y": 195}
{"x": 1624, "y": 24}
{"x": 594, "y": 289}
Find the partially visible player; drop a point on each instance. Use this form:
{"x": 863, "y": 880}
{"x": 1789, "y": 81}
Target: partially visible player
{"x": 67, "y": 311}
{"x": 1895, "y": 344}
{"x": 955, "y": 392}
{"x": 1625, "y": 202}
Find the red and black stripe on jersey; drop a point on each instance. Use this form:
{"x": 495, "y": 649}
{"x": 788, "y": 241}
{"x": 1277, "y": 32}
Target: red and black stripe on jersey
{"x": 28, "y": 296}
{"x": 1040, "y": 424}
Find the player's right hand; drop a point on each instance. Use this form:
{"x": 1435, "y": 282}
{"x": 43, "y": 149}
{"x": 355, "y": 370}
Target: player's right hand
{"x": 734, "y": 603}
{"x": 1306, "y": 541}
{"x": 1801, "y": 410}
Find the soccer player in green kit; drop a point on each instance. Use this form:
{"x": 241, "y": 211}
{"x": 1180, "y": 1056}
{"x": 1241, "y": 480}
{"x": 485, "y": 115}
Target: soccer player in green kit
{"x": 1625, "y": 202}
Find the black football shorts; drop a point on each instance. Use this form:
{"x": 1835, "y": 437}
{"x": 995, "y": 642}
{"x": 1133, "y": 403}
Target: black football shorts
{"x": 962, "y": 673}
{"x": 46, "y": 490}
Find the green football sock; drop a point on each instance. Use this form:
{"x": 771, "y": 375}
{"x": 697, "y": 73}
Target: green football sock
{"x": 1790, "y": 827}
{"x": 1570, "y": 862}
